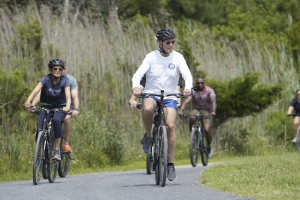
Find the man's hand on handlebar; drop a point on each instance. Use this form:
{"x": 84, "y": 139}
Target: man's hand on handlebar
{"x": 186, "y": 92}
{"x": 133, "y": 103}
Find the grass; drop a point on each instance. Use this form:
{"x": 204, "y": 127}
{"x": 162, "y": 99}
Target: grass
{"x": 260, "y": 177}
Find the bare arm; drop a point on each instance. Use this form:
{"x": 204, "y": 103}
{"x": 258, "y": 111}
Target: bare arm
{"x": 290, "y": 110}
{"x": 68, "y": 99}
{"x": 36, "y": 99}
{"x": 184, "y": 105}
{"x": 214, "y": 103}
{"x": 74, "y": 94}
{"x": 33, "y": 94}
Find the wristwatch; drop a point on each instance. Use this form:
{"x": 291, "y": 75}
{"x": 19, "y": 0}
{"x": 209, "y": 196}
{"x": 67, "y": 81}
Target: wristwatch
{"x": 76, "y": 109}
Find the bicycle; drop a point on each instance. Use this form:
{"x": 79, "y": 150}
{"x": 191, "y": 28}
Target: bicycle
{"x": 45, "y": 147}
{"x": 63, "y": 165}
{"x": 158, "y": 154}
{"x": 298, "y": 133}
{"x": 198, "y": 142}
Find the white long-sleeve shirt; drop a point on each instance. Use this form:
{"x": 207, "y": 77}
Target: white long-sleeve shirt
{"x": 163, "y": 73}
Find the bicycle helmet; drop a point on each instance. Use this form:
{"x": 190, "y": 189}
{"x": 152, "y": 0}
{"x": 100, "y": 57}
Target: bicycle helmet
{"x": 56, "y": 62}
{"x": 165, "y": 34}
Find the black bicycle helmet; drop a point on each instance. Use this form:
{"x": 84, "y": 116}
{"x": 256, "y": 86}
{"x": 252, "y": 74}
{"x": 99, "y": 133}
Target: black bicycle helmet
{"x": 56, "y": 62}
{"x": 165, "y": 34}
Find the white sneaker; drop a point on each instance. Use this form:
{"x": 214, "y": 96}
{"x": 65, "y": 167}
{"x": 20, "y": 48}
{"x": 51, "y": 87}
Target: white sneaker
{"x": 294, "y": 140}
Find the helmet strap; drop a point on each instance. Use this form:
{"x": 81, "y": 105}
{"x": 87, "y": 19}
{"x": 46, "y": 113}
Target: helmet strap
{"x": 161, "y": 49}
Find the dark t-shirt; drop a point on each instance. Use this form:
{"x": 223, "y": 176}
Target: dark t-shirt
{"x": 143, "y": 81}
{"x": 54, "y": 95}
{"x": 296, "y": 106}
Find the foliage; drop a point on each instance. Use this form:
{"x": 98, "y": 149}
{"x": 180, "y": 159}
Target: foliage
{"x": 11, "y": 102}
{"x": 103, "y": 60}
{"x": 279, "y": 128}
{"x": 29, "y": 36}
{"x": 242, "y": 96}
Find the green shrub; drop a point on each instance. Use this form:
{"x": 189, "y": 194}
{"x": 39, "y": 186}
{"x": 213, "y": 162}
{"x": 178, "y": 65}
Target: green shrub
{"x": 279, "y": 128}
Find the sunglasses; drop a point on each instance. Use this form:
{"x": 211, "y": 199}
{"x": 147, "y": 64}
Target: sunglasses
{"x": 169, "y": 42}
{"x": 198, "y": 83}
{"x": 57, "y": 68}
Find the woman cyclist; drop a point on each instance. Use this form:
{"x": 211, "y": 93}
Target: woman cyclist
{"x": 295, "y": 105}
{"x": 55, "y": 93}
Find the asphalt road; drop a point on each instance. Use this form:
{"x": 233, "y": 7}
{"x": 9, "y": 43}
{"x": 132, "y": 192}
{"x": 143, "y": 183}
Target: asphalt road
{"x": 129, "y": 185}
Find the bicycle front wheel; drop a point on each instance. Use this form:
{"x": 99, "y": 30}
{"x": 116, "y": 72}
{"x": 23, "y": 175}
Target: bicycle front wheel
{"x": 51, "y": 165}
{"x": 63, "y": 165}
{"x": 155, "y": 158}
{"x": 298, "y": 140}
{"x": 203, "y": 148}
{"x": 163, "y": 155}
{"x": 194, "y": 147}
{"x": 38, "y": 158}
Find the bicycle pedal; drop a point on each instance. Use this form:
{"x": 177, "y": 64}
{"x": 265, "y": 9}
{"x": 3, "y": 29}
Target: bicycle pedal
{"x": 72, "y": 158}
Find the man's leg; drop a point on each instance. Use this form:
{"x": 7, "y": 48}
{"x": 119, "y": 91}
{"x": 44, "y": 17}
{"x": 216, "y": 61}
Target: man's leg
{"x": 170, "y": 115}
{"x": 192, "y": 119}
{"x": 207, "y": 128}
{"x": 149, "y": 106}
{"x": 67, "y": 131}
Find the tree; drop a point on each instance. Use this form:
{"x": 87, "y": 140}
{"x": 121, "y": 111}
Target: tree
{"x": 242, "y": 96}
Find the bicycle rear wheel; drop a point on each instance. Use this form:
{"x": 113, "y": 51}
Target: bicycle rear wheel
{"x": 298, "y": 140}
{"x": 163, "y": 155}
{"x": 51, "y": 165}
{"x": 37, "y": 164}
{"x": 44, "y": 170}
{"x": 150, "y": 155}
{"x": 203, "y": 148}
{"x": 194, "y": 147}
{"x": 63, "y": 165}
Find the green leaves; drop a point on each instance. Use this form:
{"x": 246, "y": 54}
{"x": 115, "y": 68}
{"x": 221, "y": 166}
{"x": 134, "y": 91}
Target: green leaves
{"x": 242, "y": 96}
{"x": 13, "y": 92}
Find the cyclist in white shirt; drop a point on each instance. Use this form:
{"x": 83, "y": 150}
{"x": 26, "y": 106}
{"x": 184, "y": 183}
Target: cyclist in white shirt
{"x": 162, "y": 68}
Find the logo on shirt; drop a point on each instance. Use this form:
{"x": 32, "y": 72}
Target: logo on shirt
{"x": 52, "y": 90}
{"x": 171, "y": 66}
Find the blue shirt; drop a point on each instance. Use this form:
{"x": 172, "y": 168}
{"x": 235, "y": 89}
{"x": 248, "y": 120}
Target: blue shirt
{"x": 296, "y": 106}
{"x": 53, "y": 95}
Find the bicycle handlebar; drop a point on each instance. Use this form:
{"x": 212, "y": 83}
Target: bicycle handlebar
{"x": 36, "y": 109}
{"x": 178, "y": 95}
{"x": 294, "y": 114}
{"x": 146, "y": 95}
{"x": 138, "y": 106}
{"x": 196, "y": 115}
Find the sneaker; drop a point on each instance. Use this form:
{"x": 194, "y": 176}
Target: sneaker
{"x": 171, "y": 173}
{"x": 294, "y": 140}
{"x": 56, "y": 155}
{"x": 147, "y": 144}
{"x": 210, "y": 152}
{"x": 67, "y": 148}
{"x": 143, "y": 139}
